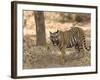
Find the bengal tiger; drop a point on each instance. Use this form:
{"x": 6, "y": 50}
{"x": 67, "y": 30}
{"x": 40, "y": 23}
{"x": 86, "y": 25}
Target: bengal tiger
{"x": 75, "y": 37}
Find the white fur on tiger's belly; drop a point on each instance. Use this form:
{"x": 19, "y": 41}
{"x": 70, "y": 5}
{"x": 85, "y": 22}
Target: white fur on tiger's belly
{"x": 69, "y": 52}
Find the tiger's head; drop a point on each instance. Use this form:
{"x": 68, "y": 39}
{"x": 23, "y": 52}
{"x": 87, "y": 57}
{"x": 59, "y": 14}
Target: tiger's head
{"x": 54, "y": 37}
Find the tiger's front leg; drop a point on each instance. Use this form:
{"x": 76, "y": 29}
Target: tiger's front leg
{"x": 62, "y": 55}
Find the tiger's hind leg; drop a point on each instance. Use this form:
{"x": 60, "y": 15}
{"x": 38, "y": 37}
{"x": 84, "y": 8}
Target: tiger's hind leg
{"x": 80, "y": 51}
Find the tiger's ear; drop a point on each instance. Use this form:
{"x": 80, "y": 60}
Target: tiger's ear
{"x": 50, "y": 32}
{"x": 57, "y": 31}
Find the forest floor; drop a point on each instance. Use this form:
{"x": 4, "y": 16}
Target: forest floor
{"x": 42, "y": 57}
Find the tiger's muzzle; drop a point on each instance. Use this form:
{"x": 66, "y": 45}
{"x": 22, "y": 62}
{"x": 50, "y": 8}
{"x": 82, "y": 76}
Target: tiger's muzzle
{"x": 55, "y": 42}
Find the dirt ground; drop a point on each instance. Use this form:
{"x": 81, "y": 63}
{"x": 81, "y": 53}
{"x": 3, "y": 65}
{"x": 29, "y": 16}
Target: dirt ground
{"x": 48, "y": 56}
{"x": 42, "y": 57}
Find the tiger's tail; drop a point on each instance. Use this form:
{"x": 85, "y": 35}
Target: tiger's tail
{"x": 85, "y": 46}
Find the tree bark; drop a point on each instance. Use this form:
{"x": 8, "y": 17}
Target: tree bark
{"x": 40, "y": 27}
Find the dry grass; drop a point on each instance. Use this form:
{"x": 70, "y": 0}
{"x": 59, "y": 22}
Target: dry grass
{"x": 47, "y": 57}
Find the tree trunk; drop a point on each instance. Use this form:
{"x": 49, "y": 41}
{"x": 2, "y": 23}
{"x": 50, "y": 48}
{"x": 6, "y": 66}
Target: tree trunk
{"x": 40, "y": 27}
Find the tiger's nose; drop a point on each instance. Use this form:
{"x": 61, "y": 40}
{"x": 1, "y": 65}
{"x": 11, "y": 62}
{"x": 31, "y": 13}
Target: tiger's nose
{"x": 54, "y": 44}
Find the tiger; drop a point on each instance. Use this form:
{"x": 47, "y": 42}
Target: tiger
{"x": 74, "y": 37}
